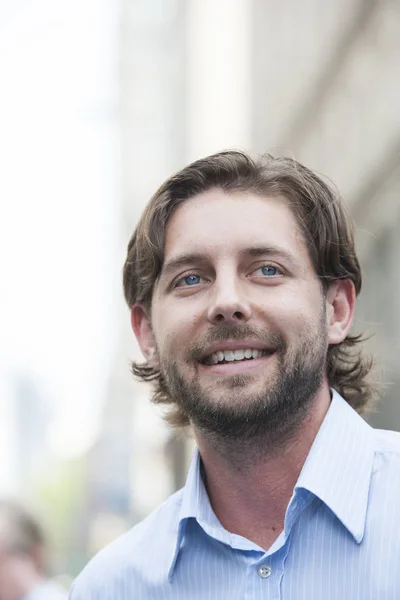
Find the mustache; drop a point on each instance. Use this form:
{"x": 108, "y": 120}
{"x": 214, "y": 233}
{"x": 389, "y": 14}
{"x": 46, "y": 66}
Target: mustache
{"x": 224, "y": 333}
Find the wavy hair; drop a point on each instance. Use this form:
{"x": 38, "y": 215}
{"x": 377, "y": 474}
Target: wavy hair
{"x": 322, "y": 218}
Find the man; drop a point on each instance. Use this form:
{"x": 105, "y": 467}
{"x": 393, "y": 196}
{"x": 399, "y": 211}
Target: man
{"x": 241, "y": 278}
{"x": 22, "y": 560}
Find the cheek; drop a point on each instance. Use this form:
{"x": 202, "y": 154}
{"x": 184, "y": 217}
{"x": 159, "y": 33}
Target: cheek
{"x": 293, "y": 314}
{"x": 174, "y": 332}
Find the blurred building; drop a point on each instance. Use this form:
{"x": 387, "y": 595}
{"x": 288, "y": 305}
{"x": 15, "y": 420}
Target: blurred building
{"x": 25, "y": 414}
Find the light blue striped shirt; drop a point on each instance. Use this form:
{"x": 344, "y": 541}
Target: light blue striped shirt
{"x": 341, "y": 539}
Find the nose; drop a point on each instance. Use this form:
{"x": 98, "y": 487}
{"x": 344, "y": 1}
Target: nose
{"x": 229, "y": 304}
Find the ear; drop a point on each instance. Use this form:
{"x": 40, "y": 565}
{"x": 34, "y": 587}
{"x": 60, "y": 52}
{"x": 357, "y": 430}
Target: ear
{"x": 340, "y": 302}
{"x": 143, "y": 331}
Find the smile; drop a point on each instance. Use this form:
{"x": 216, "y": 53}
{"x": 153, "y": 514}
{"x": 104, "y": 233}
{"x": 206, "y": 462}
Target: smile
{"x": 227, "y": 356}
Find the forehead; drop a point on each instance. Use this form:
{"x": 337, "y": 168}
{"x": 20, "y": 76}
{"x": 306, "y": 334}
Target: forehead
{"x": 218, "y": 221}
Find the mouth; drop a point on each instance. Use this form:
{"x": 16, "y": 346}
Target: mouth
{"x": 221, "y": 357}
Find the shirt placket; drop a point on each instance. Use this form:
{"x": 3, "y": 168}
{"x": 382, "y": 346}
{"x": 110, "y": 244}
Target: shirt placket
{"x": 264, "y": 576}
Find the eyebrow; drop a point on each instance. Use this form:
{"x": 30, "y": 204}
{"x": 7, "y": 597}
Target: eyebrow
{"x": 258, "y": 251}
{"x": 181, "y": 261}
{"x": 190, "y": 259}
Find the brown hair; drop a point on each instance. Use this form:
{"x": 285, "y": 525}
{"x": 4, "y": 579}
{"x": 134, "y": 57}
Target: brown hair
{"x": 322, "y": 218}
{"x": 20, "y": 532}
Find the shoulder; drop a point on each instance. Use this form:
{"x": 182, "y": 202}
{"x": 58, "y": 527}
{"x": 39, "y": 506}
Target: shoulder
{"x": 386, "y": 441}
{"x": 123, "y": 563}
{"x": 385, "y": 481}
{"x": 383, "y": 506}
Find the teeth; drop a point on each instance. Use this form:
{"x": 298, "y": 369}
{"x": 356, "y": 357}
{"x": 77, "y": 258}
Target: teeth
{"x": 232, "y": 355}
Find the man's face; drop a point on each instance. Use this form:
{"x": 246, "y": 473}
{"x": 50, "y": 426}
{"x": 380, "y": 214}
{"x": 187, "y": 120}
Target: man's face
{"x": 238, "y": 315}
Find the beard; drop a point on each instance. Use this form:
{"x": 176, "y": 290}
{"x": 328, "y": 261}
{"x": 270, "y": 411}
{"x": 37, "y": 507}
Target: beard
{"x": 224, "y": 411}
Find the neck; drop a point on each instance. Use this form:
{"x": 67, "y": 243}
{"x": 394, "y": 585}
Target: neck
{"x": 243, "y": 479}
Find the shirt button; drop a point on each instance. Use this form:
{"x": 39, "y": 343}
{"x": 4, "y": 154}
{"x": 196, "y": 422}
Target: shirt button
{"x": 264, "y": 571}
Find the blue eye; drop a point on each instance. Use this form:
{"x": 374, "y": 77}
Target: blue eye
{"x": 192, "y": 279}
{"x": 268, "y": 270}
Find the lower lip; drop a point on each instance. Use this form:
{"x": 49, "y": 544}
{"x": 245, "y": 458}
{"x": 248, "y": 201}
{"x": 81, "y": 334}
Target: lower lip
{"x": 237, "y": 367}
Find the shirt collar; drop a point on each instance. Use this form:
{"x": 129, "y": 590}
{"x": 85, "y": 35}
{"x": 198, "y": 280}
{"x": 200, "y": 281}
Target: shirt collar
{"x": 194, "y": 497}
{"x": 340, "y": 458}
{"x": 339, "y": 465}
